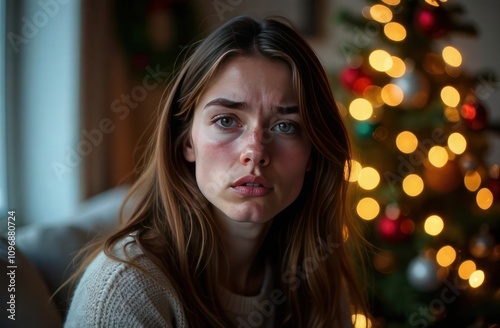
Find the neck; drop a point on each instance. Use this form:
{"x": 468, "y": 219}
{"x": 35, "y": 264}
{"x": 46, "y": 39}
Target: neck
{"x": 241, "y": 270}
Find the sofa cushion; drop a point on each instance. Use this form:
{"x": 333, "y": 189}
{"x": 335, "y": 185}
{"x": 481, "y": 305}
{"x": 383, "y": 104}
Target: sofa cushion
{"x": 33, "y": 304}
{"x": 51, "y": 248}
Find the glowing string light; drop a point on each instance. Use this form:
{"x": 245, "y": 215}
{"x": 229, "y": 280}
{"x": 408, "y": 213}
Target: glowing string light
{"x": 484, "y": 198}
{"x": 450, "y": 96}
{"x": 413, "y": 185}
{"x": 472, "y": 180}
{"x": 381, "y": 13}
{"x": 406, "y": 142}
{"x": 368, "y": 178}
{"x": 446, "y": 256}
{"x": 457, "y": 143}
{"x": 452, "y": 56}
{"x": 395, "y": 31}
{"x": 476, "y": 278}
{"x": 433, "y": 225}
{"x": 368, "y": 208}
{"x": 380, "y": 60}
{"x": 466, "y": 268}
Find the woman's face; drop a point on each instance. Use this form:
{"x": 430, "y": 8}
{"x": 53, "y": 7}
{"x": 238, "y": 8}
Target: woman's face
{"x": 248, "y": 140}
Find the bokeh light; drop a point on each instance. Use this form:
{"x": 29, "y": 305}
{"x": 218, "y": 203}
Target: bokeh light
{"x": 472, "y": 180}
{"x": 451, "y": 114}
{"x": 381, "y": 13}
{"x": 452, "y": 56}
{"x": 392, "y": 95}
{"x": 360, "y": 109}
{"x": 438, "y": 156}
{"x": 392, "y": 2}
{"x": 476, "y": 278}
{"x": 355, "y": 169}
{"x": 368, "y": 208}
{"x": 380, "y": 60}
{"x": 450, "y": 96}
{"x": 398, "y": 68}
{"x": 446, "y": 256}
{"x": 457, "y": 143}
{"x": 466, "y": 268}
{"x": 484, "y": 198}
{"x": 368, "y": 178}
{"x": 406, "y": 142}
{"x": 361, "y": 321}
{"x": 433, "y": 225}
{"x": 393, "y": 211}
{"x": 372, "y": 93}
{"x": 433, "y": 3}
{"x": 413, "y": 185}
{"x": 395, "y": 31}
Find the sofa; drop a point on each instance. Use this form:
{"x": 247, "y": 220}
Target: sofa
{"x": 44, "y": 259}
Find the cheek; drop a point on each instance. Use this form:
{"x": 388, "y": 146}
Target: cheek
{"x": 213, "y": 161}
{"x": 294, "y": 158}
{"x": 213, "y": 151}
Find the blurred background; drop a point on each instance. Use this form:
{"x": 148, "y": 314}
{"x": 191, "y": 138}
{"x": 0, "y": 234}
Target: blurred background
{"x": 416, "y": 81}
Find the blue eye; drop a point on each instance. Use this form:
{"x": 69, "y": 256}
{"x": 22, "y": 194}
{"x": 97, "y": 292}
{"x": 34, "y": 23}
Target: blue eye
{"x": 285, "y": 127}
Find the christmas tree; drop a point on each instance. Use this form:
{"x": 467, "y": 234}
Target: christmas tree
{"x": 428, "y": 198}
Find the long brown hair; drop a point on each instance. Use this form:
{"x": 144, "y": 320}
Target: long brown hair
{"x": 173, "y": 221}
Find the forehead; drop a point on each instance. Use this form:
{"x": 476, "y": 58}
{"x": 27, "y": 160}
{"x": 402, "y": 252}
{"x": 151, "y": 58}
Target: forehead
{"x": 252, "y": 77}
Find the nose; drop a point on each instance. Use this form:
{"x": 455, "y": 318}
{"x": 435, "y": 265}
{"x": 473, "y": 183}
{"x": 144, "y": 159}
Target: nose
{"x": 255, "y": 150}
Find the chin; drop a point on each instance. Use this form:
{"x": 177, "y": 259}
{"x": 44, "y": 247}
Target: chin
{"x": 251, "y": 216}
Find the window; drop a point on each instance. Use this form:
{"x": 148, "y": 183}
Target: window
{"x": 39, "y": 108}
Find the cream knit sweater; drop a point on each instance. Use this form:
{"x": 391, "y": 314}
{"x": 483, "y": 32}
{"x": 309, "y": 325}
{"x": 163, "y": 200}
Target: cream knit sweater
{"x": 114, "y": 294}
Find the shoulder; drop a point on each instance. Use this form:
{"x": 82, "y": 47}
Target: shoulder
{"x": 113, "y": 293}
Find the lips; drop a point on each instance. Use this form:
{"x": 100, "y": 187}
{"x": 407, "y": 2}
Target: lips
{"x": 251, "y": 185}
{"x": 252, "y": 181}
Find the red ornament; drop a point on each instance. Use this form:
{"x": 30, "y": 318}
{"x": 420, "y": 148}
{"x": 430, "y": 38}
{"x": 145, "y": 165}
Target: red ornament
{"x": 395, "y": 231}
{"x": 355, "y": 80}
{"x": 433, "y": 22}
{"x": 475, "y": 115}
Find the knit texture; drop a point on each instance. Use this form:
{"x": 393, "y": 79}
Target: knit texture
{"x": 114, "y": 294}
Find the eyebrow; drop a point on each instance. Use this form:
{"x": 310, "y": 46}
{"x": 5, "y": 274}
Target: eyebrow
{"x": 223, "y": 102}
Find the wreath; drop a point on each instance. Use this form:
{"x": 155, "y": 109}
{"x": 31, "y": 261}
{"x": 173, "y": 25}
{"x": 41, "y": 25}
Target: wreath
{"x": 154, "y": 32}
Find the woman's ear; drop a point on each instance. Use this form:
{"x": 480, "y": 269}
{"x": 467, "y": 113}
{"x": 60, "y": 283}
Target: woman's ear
{"x": 188, "y": 150}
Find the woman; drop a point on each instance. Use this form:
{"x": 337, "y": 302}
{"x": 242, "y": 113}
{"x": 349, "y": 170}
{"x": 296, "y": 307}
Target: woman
{"x": 240, "y": 217}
